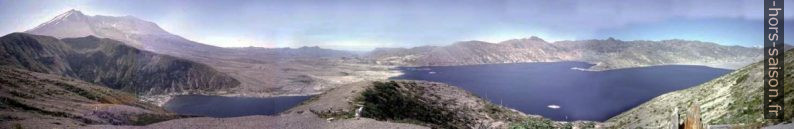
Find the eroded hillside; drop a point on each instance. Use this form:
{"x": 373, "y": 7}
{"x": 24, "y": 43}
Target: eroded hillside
{"x": 110, "y": 63}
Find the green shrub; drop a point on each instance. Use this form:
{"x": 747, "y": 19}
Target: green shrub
{"x": 145, "y": 119}
{"x": 392, "y": 101}
{"x": 533, "y": 124}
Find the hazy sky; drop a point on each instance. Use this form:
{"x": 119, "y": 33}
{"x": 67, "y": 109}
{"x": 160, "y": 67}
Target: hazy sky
{"x": 366, "y": 24}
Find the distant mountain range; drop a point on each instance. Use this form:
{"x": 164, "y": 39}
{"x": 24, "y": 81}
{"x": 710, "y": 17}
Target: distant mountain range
{"x": 264, "y": 71}
{"x": 605, "y": 54}
{"x": 111, "y": 63}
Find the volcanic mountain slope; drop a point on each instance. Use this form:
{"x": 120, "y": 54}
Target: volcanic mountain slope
{"x": 111, "y": 63}
{"x": 149, "y": 36}
{"x": 733, "y": 99}
{"x": 606, "y": 54}
{"x": 37, "y": 100}
{"x": 133, "y": 31}
{"x": 261, "y": 71}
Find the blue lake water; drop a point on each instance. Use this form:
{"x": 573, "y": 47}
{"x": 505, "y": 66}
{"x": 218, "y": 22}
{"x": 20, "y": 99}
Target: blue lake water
{"x": 580, "y": 95}
{"x": 220, "y": 106}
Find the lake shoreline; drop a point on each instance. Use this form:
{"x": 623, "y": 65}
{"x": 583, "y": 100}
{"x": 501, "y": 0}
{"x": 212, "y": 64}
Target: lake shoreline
{"x": 222, "y": 106}
{"x": 392, "y": 73}
{"x": 497, "y": 83}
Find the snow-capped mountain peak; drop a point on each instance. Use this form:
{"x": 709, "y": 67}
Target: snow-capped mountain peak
{"x": 74, "y": 23}
{"x": 67, "y": 14}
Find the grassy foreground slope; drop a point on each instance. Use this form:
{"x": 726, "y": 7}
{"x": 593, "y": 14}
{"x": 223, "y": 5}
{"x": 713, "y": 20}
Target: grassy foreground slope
{"x": 37, "y": 100}
{"x": 733, "y": 99}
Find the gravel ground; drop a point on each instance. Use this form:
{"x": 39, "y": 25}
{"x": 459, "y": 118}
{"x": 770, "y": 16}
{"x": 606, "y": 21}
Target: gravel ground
{"x": 781, "y": 126}
{"x": 303, "y": 120}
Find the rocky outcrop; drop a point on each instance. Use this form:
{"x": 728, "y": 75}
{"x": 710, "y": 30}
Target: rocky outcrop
{"x": 733, "y": 99}
{"x": 37, "y": 100}
{"x": 110, "y": 63}
{"x": 605, "y": 54}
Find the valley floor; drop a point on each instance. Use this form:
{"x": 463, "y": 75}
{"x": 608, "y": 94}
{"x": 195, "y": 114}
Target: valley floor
{"x": 331, "y": 76}
{"x": 304, "y": 116}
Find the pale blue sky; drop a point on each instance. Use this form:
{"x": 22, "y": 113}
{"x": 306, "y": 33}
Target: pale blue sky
{"x": 366, "y": 24}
